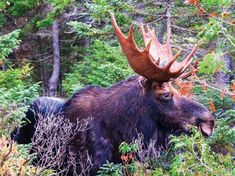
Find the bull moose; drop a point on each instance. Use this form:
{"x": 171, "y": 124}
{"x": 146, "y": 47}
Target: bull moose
{"x": 144, "y": 104}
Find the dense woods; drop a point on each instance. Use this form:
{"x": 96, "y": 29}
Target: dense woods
{"x": 57, "y": 47}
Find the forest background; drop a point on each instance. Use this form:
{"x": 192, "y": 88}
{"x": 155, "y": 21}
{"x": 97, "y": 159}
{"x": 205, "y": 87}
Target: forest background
{"x": 56, "y": 47}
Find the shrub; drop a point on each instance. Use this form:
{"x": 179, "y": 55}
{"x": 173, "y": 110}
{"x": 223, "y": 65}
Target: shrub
{"x": 185, "y": 155}
{"x": 14, "y": 160}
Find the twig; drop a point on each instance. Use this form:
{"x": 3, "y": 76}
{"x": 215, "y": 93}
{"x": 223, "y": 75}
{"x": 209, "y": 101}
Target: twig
{"x": 148, "y": 14}
{"x": 9, "y": 152}
{"x": 25, "y": 162}
{"x": 198, "y": 81}
{"x": 183, "y": 29}
{"x": 200, "y": 159}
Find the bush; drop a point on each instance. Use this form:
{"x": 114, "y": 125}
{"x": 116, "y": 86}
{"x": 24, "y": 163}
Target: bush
{"x": 15, "y": 160}
{"x": 185, "y": 155}
{"x": 16, "y": 94}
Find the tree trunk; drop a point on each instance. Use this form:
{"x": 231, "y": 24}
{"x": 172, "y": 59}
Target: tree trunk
{"x": 53, "y": 81}
{"x": 221, "y": 77}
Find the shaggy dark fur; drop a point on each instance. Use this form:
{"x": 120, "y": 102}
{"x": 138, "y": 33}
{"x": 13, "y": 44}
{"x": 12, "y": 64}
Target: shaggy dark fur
{"x": 44, "y": 107}
{"x": 128, "y": 108}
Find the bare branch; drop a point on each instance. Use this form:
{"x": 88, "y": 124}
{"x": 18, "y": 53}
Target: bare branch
{"x": 50, "y": 143}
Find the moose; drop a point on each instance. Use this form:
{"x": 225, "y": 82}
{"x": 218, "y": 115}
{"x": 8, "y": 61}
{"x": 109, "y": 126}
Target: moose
{"x": 145, "y": 103}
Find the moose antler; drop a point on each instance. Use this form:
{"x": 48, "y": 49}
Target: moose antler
{"x": 156, "y": 62}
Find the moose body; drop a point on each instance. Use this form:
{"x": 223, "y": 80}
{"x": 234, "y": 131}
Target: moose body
{"x": 40, "y": 108}
{"x": 127, "y": 109}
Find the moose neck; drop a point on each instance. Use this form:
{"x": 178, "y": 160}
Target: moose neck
{"x": 137, "y": 107}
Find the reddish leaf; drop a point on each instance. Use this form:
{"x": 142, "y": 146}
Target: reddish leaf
{"x": 183, "y": 88}
{"x": 212, "y": 106}
{"x": 124, "y": 158}
{"x": 213, "y": 14}
{"x": 200, "y": 11}
{"x": 232, "y": 21}
{"x": 192, "y": 2}
{"x": 222, "y": 94}
{"x": 190, "y": 89}
{"x": 186, "y": 88}
{"x": 204, "y": 86}
{"x": 177, "y": 82}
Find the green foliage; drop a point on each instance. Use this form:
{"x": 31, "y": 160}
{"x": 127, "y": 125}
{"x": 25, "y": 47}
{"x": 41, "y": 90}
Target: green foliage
{"x": 223, "y": 139}
{"x": 98, "y": 12}
{"x": 20, "y": 7}
{"x": 211, "y": 63}
{"x": 103, "y": 66}
{"x": 216, "y": 29}
{"x": 217, "y": 3}
{"x": 3, "y": 5}
{"x": 204, "y": 96}
{"x": 8, "y": 43}
{"x": 194, "y": 155}
{"x": 58, "y": 7}
{"x": 110, "y": 169}
{"x": 17, "y": 91}
{"x": 14, "y": 87}
{"x": 14, "y": 105}
{"x": 15, "y": 77}
{"x": 86, "y": 30}
{"x": 125, "y": 148}
{"x": 186, "y": 155}
{"x": 100, "y": 9}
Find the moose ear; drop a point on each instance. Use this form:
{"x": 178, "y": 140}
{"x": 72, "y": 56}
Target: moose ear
{"x": 206, "y": 129}
{"x": 144, "y": 83}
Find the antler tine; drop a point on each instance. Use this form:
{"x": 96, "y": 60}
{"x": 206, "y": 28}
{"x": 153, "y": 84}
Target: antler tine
{"x": 188, "y": 74}
{"x": 144, "y": 35}
{"x": 121, "y": 37}
{"x": 149, "y": 35}
{"x": 191, "y": 54}
{"x": 188, "y": 60}
{"x": 131, "y": 35}
{"x": 167, "y": 67}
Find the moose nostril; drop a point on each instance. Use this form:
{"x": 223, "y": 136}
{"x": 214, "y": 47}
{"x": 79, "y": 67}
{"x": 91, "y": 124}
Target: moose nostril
{"x": 166, "y": 94}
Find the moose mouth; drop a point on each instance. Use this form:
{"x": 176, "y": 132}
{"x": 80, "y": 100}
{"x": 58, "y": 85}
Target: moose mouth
{"x": 205, "y": 129}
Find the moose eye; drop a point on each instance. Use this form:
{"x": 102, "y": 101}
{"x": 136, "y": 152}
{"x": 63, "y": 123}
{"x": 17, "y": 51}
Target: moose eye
{"x": 166, "y": 96}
